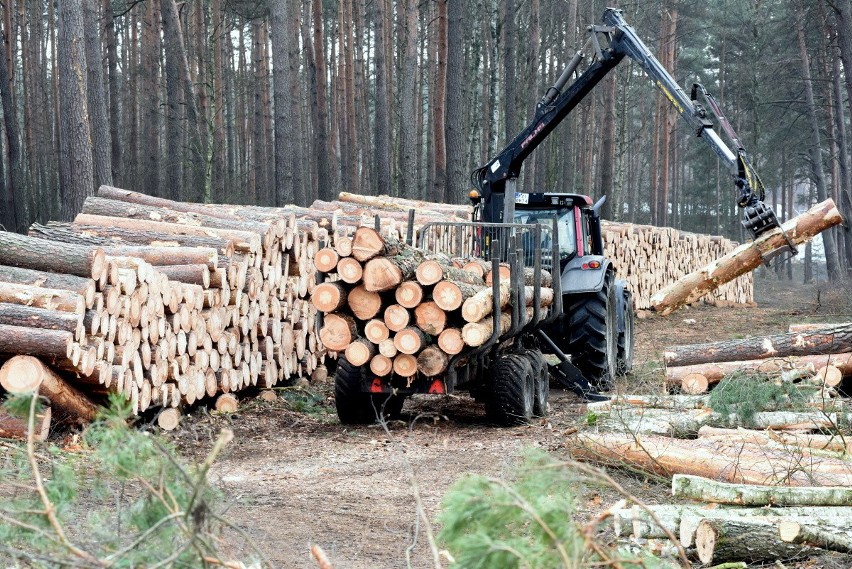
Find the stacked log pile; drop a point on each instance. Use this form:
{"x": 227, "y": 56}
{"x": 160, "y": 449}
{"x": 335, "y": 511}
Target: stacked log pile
{"x": 397, "y": 309}
{"x": 650, "y": 258}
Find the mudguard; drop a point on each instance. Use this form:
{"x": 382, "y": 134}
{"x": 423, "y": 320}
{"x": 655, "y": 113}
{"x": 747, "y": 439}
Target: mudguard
{"x": 576, "y": 279}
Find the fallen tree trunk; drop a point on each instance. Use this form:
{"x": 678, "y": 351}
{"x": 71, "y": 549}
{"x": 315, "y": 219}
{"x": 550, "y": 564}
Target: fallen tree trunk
{"x": 737, "y": 462}
{"x": 815, "y": 342}
{"x": 744, "y": 258}
{"x": 832, "y": 443}
{"x": 714, "y": 372}
{"x": 721, "y": 540}
{"x": 709, "y": 490}
{"x": 15, "y": 427}
{"x": 823, "y": 536}
{"x": 23, "y": 374}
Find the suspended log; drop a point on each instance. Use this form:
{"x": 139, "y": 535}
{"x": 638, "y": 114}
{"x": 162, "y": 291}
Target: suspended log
{"x": 815, "y": 342}
{"x": 329, "y": 296}
{"x": 432, "y": 361}
{"x": 49, "y": 256}
{"x": 708, "y": 490}
{"x": 745, "y": 258}
{"x": 15, "y": 427}
{"x": 363, "y": 303}
{"x": 430, "y": 318}
{"x": 23, "y": 374}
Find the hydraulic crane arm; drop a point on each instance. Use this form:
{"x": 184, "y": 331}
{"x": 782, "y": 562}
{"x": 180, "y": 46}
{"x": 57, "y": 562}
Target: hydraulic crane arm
{"x": 611, "y": 42}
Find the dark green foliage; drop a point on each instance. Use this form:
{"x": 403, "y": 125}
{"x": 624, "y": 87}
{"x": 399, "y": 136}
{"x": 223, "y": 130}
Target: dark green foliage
{"x": 744, "y": 394}
{"x": 489, "y": 522}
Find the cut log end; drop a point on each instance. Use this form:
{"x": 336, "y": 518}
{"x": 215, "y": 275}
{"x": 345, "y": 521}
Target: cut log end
{"x": 169, "y": 419}
{"x": 227, "y": 403}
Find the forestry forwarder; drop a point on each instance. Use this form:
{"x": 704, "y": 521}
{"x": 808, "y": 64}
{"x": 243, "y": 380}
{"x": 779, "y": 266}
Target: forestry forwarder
{"x": 592, "y": 313}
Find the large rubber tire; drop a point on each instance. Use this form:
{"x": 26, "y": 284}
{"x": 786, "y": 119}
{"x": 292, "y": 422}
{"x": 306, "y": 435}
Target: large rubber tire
{"x": 356, "y": 407}
{"x": 513, "y": 392}
{"x": 591, "y": 334}
{"x": 541, "y": 381}
{"x": 626, "y": 339}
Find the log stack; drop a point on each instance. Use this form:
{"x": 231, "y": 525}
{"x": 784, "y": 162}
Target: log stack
{"x": 397, "y": 309}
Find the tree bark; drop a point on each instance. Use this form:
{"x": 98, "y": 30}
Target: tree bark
{"x": 25, "y": 373}
{"x": 50, "y": 256}
{"x": 744, "y": 258}
{"x": 815, "y": 342}
{"x": 75, "y": 138}
{"x": 98, "y": 118}
{"x": 282, "y": 80}
{"x": 720, "y": 540}
{"x": 709, "y": 490}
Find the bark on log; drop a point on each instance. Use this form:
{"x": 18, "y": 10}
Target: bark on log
{"x": 15, "y": 427}
{"x": 50, "y": 256}
{"x": 85, "y": 287}
{"x": 349, "y": 270}
{"x": 32, "y": 317}
{"x": 430, "y": 318}
{"x": 35, "y": 341}
{"x": 90, "y": 235}
{"x": 745, "y": 258}
{"x": 708, "y": 490}
{"x": 409, "y": 294}
{"x": 364, "y": 304}
{"x": 715, "y": 459}
{"x": 481, "y": 304}
{"x": 815, "y": 342}
{"x": 23, "y": 374}
{"x": 721, "y": 540}
{"x": 432, "y": 361}
{"x": 773, "y": 367}
{"x": 822, "y": 536}
{"x": 189, "y": 274}
{"x": 832, "y": 443}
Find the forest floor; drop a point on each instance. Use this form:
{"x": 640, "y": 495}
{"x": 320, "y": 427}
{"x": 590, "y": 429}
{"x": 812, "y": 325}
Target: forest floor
{"x": 295, "y": 476}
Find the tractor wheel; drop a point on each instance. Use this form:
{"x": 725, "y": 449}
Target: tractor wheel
{"x": 625, "y": 336}
{"x": 591, "y": 334}
{"x": 356, "y": 407}
{"x": 541, "y": 378}
{"x": 513, "y": 393}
